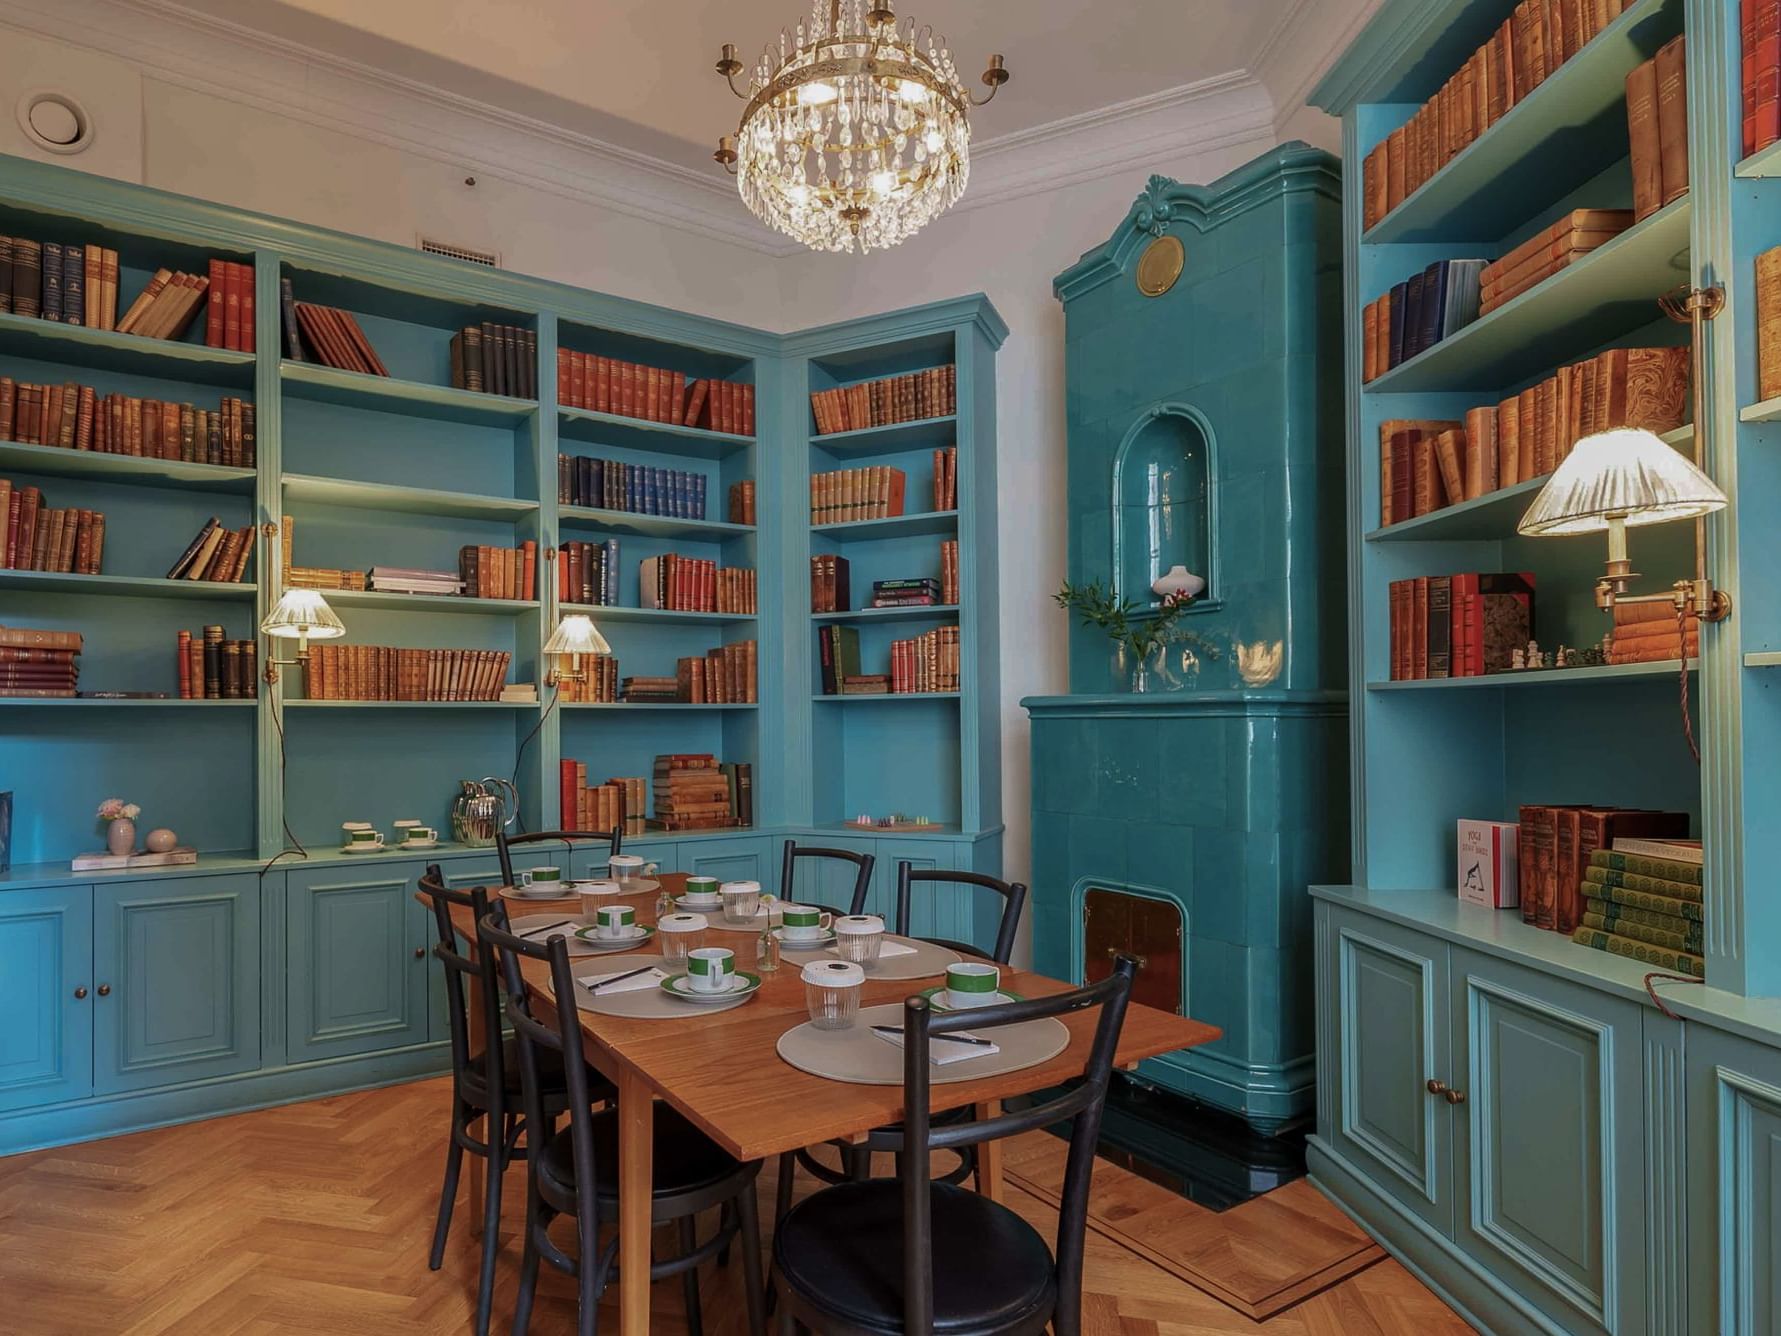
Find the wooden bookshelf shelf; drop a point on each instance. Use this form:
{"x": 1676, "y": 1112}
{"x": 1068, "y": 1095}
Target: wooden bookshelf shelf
{"x": 921, "y": 434}
{"x": 618, "y": 612}
{"x": 655, "y": 705}
{"x": 131, "y": 586}
{"x": 899, "y": 526}
{"x": 1665, "y": 669}
{"x": 304, "y": 703}
{"x": 589, "y": 518}
{"x": 133, "y": 703}
{"x": 1763, "y": 658}
{"x": 452, "y": 603}
{"x": 1569, "y": 127}
{"x": 127, "y": 354}
{"x": 1762, "y": 164}
{"x": 384, "y": 394}
{"x": 404, "y": 500}
{"x": 663, "y": 438}
{"x": 909, "y": 614}
{"x": 53, "y": 461}
{"x": 882, "y": 697}
{"x": 1769, "y": 410}
{"x": 1610, "y": 291}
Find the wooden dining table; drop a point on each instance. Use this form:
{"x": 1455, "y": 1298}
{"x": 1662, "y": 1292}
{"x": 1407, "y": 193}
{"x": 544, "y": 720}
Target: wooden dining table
{"x": 722, "y": 1071}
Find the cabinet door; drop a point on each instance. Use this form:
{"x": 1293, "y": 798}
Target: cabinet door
{"x": 822, "y": 881}
{"x": 1388, "y": 988}
{"x": 460, "y": 875}
{"x": 177, "y": 981}
{"x": 590, "y": 860}
{"x": 729, "y": 860}
{"x": 1734, "y": 1177}
{"x": 934, "y": 911}
{"x": 1549, "y": 1141}
{"x": 358, "y": 962}
{"x": 46, "y": 1032}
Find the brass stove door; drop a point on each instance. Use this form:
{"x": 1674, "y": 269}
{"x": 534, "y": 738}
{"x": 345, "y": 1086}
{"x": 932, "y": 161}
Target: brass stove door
{"x": 1140, "y": 926}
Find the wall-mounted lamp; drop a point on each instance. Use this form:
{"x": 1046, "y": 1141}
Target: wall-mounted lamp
{"x": 301, "y": 615}
{"x": 575, "y": 637}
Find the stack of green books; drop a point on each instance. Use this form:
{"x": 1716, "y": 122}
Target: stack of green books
{"x": 1644, "y": 907}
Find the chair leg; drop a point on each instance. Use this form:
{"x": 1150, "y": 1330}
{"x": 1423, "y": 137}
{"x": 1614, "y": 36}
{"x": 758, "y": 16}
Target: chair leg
{"x": 689, "y": 1240}
{"x": 491, "y": 1237}
{"x": 788, "y": 1165}
{"x": 587, "y": 1275}
{"x": 528, "y": 1269}
{"x": 448, "y": 1195}
{"x": 859, "y": 1164}
{"x": 754, "y": 1291}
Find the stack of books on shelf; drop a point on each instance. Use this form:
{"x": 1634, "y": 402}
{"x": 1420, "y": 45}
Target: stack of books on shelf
{"x": 499, "y": 572}
{"x": 694, "y": 584}
{"x": 1760, "y": 40}
{"x": 694, "y": 792}
{"x": 38, "y": 663}
{"x": 229, "y": 319}
{"x": 1425, "y": 464}
{"x": 73, "y": 417}
{"x": 311, "y": 577}
{"x": 495, "y": 359}
{"x": 642, "y": 489}
{"x": 333, "y": 337}
{"x": 946, "y": 478}
{"x": 922, "y": 592}
{"x": 845, "y": 495}
{"x": 588, "y": 572}
{"x": 213, "y": 668}
{"x": 949, "y": 571}
{"x": 382, "y": 672}
{"x": 1527, "y": 48}
{"x": 1643, "y": 899}
{"x": 601, "y": 686}
{"x": 34, "y": 537}
{"x": 72, "y": 284}
{"x": 724, "y": 676}
{"x": 1653, "y": 633}
{"x": 742, "y": 502}
{"x": 1466, "y": 625}
{"x": 1768, "y": 324}
{"x": 830, "y": 584}
{"x": 657, "y": 690}
{"x": 626, "y": 389}
{"x": 928, "y": 662}
{"x": 1657, "y": 128}
{"x": 618, "y": 804}
{"x": 1548, "y": 251}
{"x": 413, "y": 580}
{"x": 1418, "y": 313}
{"x": 878, "y": 403}
{"x": 217, "y": 554}
{"x": 1555, "y": 844}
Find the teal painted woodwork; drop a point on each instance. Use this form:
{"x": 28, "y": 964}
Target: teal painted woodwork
{"x": 180, "y": 964}
{"x": 46, "y": 1032}
{"x": 730, "y": 860}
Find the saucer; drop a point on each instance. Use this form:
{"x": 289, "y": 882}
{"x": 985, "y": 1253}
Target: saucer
{"x": 528, "y": 893}
{"x": 418, "y": 844}
{"x": 823, "y": 938}
{"x": 938, "y": 1002}
{"x": 693, "y": 905}
{"x": 639, "y": 933}
{"x": 366, "y": 848}
{"x": 742, "y": 983}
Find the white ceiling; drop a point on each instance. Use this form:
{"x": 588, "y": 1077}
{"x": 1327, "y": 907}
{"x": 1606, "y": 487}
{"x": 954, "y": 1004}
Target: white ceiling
{"x": 638, "y": 73}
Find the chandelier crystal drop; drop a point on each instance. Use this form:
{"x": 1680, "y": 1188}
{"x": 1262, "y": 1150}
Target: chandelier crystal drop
{"x": 857, "y": 129}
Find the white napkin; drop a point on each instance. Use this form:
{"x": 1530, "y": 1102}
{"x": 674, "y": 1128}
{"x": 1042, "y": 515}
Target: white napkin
{"x": 941, "y": 1049}
{"x": 650, "y": 978}
{"x": 889, "y": 948}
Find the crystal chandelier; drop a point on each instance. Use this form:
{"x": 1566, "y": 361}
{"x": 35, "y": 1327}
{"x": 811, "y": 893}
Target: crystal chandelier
{"x": 857, "y": 129}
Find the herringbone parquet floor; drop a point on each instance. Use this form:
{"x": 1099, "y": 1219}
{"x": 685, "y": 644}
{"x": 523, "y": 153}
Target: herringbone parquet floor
{"x": 315, "y": 1218}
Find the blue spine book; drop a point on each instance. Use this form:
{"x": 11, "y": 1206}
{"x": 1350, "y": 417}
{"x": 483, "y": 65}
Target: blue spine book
{"x": 651, "y": 489}
{"x": 683, "y": 494}
{"x": 1400, "y": 307}
{"x": 699, "y": 481}
{"x": 631, "y": 478}
{"x": 52, "y": 281}
{"x": 609, "y": 574}
{"x": 74, "y": 285}
{"x": 1434, "y": 305}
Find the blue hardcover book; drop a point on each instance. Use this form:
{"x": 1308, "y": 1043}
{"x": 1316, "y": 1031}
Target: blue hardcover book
{"x": 652, "y": 491}
{"x": 74, "y": 285}
{"x": 1400, "y": 307}
{"x": 685, "y": 494}
{"x": 609, "y": 574}
{"x": 633, "y": 489}
{"x": 1434, "y": 305}
{"x": 52, "y": 281}
{"x": 698, "y": 496}
{"x": 1462, "y": 295}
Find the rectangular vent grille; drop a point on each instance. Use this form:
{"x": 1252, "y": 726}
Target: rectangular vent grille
{"x": 491, "y": 259}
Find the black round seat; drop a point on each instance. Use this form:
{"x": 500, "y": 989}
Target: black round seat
{"x": 841, "y": 1252}
{"x": 687, "y": 1162}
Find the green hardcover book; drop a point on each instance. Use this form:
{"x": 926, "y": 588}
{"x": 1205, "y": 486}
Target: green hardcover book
{"x": 1675, "y": 890}
{"x": 1668, "y": 906}
{"x": 1689, "y": 942}
{"x": 847, "y": 653}
{"x": 1657, "y": 957}
{"x": 1650, "y": 918}
{"x": 1666, "y": 868}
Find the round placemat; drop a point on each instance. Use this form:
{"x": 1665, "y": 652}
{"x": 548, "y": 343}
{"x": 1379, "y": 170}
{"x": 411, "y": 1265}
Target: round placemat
{"x": 642, "y": 1003}
{"x": 859, "y": 1057}
{"x": 928, "y": 962}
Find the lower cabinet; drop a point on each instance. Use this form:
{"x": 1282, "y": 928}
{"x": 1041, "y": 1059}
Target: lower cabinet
{"x": 46, "y": 996}
{"x": 729, "y": 860}
{"x": 1734, "y": 1183}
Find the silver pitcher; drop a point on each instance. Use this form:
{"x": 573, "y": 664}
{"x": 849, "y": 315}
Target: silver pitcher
{"x": 484, "y": 808}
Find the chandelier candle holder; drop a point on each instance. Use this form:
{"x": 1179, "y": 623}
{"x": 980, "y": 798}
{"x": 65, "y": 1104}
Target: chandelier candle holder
{"x": 857, "y": 130}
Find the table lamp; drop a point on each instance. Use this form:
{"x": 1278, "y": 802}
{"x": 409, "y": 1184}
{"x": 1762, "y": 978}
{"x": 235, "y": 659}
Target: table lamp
{"x": 575, "y": 636}
{"x": 300, "y": 615}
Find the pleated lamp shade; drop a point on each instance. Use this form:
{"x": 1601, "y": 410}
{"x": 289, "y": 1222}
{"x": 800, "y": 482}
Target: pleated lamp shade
{"x": 1627, "y": 474}
{"x": 577, "y": 634}
{"x": 300, "y": 614}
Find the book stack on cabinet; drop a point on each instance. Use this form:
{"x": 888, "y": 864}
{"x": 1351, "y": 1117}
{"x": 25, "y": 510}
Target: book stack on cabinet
{"x": 883, "y": 402}
{"x": 697, "y": 792}
{"x": 1644, "y": 900}
{"x": 38, "y": 662}
{"x": 617, "y": 804}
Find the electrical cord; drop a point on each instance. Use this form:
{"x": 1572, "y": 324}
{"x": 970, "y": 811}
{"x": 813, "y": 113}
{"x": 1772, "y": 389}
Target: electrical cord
{"x": 284, "y": 808}
{"x": 556, "y": 694}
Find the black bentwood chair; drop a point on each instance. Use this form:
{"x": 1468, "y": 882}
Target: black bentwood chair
{"x": 484, "y": 1084}
{"x": 575, "y": 1173}
{"x": 567, "y": 838}
{"x": 862, "y": 880}
{"x": 914, "y": 1255}
{"x": 1013, "y": 894}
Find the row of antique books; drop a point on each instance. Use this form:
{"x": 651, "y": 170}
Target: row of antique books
{"x": 1465, "y": 625}
{"x": 1427, "y": 464}
{"x": 495, "y": 359}
{"x": 211, "y": 667}
{"x": 216, "y": 553}
{"x": 37, "y": 662}
{"x": 383, "y": 672}
{"x": 695, "y": 584}
{"x": 655, "y": 394}
{"x": 587, "y": 573}
{"x": 499, "y": 572}
{"x": 721, "y": 676}
{"x": 1653, "y": 633}
{"x": 878, "y": 403}
{"x": 70, "y": 284}
{"x": 1657, "y": 127}
{"x": 695, "y": 791}
{"x": 949, "y": 571}
{"x": 946, "y": 478}
{"x": 310, "y": 577}
{"x": 1417, "y": 313}
{"x": 35, "y": 537}
{"x": 742, "y": 502}
{"x": 618, "y": 804}
{"x": 640, "y": 489}
{"x": 927, "y": 662}
{"x": 845, "y": 495}
{"x": 1526, "y": 49}
{"x": 329, "y": 335}
{"x": 1557, "y": 246}
{"x": 74, "y": 417}
{"x": 601, "y": 685}
{"x": 1759, "y": 39}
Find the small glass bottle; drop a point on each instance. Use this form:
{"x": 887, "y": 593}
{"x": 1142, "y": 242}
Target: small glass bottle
{"x": 664, "y": 904}
{"x": 767, "y": 951}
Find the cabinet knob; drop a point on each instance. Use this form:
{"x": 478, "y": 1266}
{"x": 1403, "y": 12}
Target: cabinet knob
{"x": 420, "y": 952}
{"x": 1454, "y": 1096}
{"x": 1438, "y": 1087}
{"x": 104, "y": 990}
{"x": 1140, "y": 960}
{"x": 80, "y": 992}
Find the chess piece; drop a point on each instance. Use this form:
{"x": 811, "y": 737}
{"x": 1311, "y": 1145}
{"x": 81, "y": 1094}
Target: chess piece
{"x": 1517, "y": 659}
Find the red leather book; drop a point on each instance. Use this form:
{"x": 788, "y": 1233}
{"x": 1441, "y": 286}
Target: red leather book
{"x": 244, "y": 280}
{"x": 1766, "y": 100}
{"x": 215, "y": 336}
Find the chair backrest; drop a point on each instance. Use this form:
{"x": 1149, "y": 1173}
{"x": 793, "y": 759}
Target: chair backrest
{"x": 863, "y": 864}
{"x": 1084, "y": 1101}
{"x": 567, "y": 838}
{"x": 460, "y": 967}
{"x": 532, "y": 1034}
{"x": 1013, "y": 893}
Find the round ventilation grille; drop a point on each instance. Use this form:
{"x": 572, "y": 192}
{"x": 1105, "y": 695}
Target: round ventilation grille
{"x": 55, "y": 122}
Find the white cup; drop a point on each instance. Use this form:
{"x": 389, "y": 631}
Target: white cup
{"x": 742, "y": 900}
{"x": 614, "y": 921}
{"x": 802, "y": 922}
{"x": 542, "y": 877}
{"x": 359, "y": 835}
{"x": 859, "y": 937}
{"x": 709, "y": 969}
{"x": 832, "y": 993}
{"x": 678, "y": 935}
{"x": 973, "y": 983}
{"x": 418, "y": 834}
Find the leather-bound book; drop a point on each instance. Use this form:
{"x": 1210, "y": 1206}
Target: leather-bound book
{"x": 1766, "y": 92}
{"x": 1394, "y": 169}
{"x": 1768, "y": 324}
{"x": 1481, "y": 452}
{"x": 1672, "y": 118}
{"x": 1508, "y": 441}
{"x": 1450, "y": 448}
{"x": 216, "y": 332}
{"x": 1642, "y": 139}
{"x": 27, "y": 277}
{"x": 1657, "y": 388}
